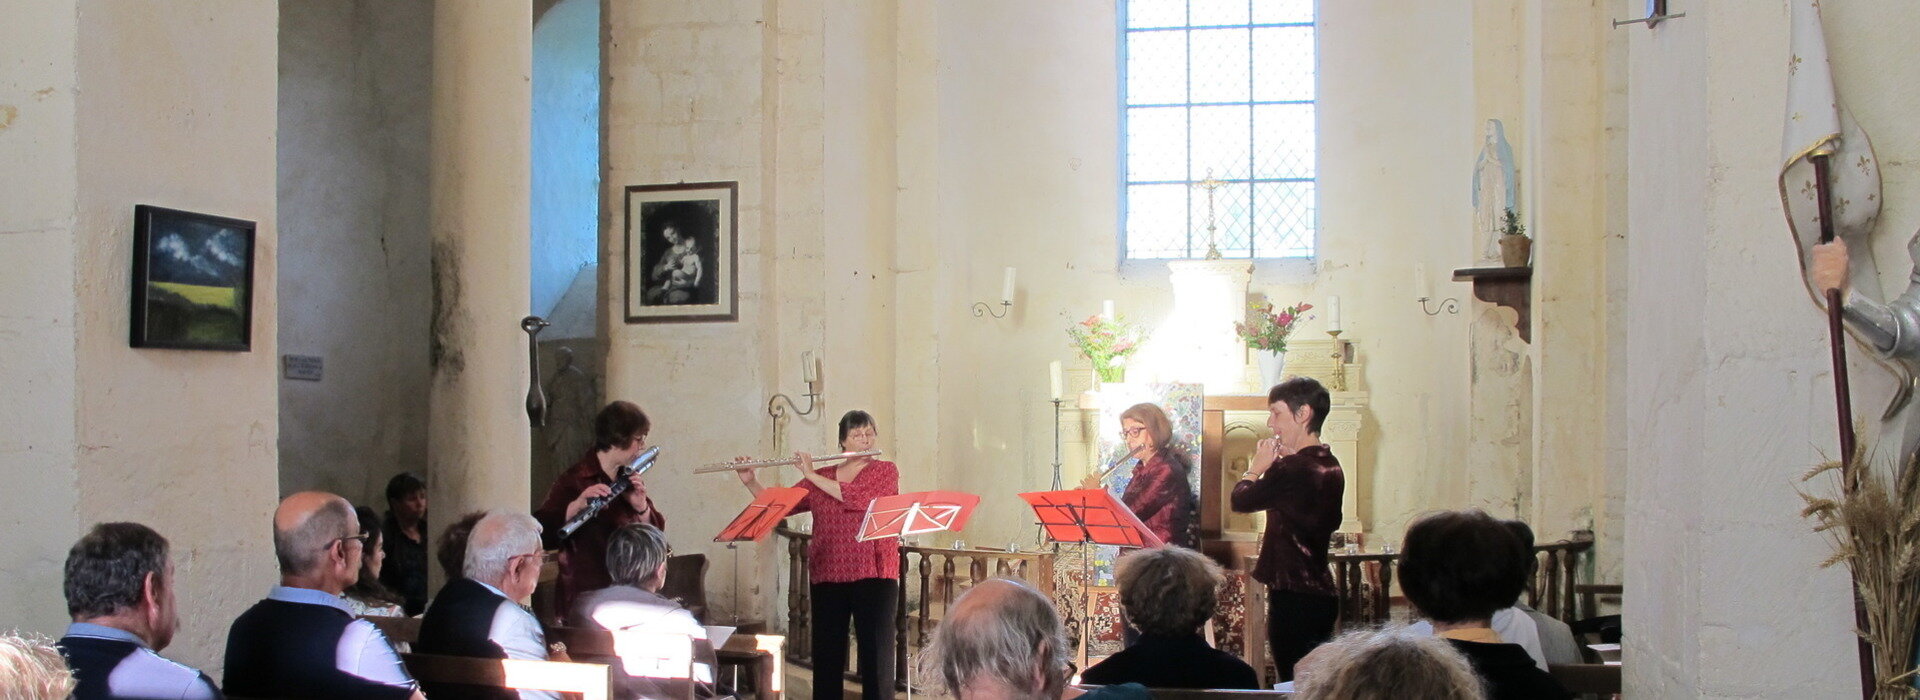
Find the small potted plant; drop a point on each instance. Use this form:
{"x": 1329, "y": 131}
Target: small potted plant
{"x": 1515, "y": 247}
{"x": 1106, "y": 342}
{"x": 1266, "y": 334}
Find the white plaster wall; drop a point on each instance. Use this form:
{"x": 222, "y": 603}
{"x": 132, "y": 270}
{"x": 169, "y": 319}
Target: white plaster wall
{"x": 1004, "y": 153}
{"x": 39, "y": 189}
{"x": 1730, "y": 396}
{"x": 353, "y": 116}
{"x": 184, "y": 441}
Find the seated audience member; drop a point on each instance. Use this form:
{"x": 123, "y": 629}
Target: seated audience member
{"x": 404, "y": 540}
{"x": 1003, "y": 639}
{"x": 1169, "y": 593}
{"x": 479, "y": 616}
{"x": 31, "y": 669}
{"x": 302, "y": 642}
{"x": 1557, "y": 644}
{"x": 119, "y": 585}
{"x": 663, "y": 651}
{"x": 1457, "y": 568}
{"x": 1386, "y": 663}
{"x": 367, "y": 596}
{"x": 451, "y": 551}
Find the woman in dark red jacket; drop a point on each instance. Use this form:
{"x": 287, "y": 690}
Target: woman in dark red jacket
{"x": 1160, "y": 493}
{"x": 849, "y": 578}
{"x": 619, "y": 435}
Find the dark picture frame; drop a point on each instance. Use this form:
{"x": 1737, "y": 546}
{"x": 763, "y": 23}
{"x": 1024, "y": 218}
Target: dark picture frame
{"x": 192, "y": 281}
{"x": 682, "y": 252}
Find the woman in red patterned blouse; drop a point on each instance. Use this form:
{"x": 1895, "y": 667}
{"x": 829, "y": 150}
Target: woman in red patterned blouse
{"x": 1160, "y": 493}
{"x": 849, "y": 578}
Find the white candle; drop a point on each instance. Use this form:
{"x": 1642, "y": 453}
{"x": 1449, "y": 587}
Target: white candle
{"x": 1333, "y": 314}
{"x": 1006, "y": 287}
{"x": 1106, "y": 309}
{"x": 1053, "y": 374}
{"x": 1420, "y": 283}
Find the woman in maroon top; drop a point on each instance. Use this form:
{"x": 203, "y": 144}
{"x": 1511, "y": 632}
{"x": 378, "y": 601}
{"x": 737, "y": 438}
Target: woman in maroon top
{"x": 849, "y": 578}
{"x": 1159, "y": 494}
{"x": 619, "y": 435}
{"x": 1296, "y": 480}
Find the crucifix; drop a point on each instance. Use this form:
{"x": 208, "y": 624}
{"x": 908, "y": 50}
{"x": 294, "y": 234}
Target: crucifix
{"x": 1210, "y": 184}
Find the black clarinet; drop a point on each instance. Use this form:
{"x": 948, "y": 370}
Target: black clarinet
{"x": 622, "y": 480}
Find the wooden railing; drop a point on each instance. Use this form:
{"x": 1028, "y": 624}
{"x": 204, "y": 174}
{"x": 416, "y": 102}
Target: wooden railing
{"x": 930, "y": 579}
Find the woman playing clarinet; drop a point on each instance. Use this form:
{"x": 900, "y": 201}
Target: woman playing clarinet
{"x": 850, "y": 579}
{"x": 1159, "y": 494}
{"x": 619, "y": 435}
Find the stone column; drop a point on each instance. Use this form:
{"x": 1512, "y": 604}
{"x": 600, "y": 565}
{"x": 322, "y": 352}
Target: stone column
{"x": 477, "y": 431}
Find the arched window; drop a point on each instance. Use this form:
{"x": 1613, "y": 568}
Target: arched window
{"x": 1218, "y": 97}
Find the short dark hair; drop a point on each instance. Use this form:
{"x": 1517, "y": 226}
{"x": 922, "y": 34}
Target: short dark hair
{"x": 451, "y": 550}
{"x": 107, "y": 569}
{"x": 402, "y": 485}
{"x": 853, "y": 420}
{"x": 1303, "y": 391}
{"x": 1461, "y": 565}
{"x": 1524, "y": 532}
{"x": 617, "y": 425}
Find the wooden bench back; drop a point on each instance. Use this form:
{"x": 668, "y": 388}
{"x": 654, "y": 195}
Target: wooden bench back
{"x": 398, "y": 629}
{"x": 1601, "y": 679}
{"x": 591, "y": 681}
{"x": 1188, "y": 694}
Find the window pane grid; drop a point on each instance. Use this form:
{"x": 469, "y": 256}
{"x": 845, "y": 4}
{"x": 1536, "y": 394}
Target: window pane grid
{"x": 1220, "y": 89}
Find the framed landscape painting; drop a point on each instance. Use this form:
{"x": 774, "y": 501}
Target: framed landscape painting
{"x": 192, "y": 280}
{"x": 682, "y": 252}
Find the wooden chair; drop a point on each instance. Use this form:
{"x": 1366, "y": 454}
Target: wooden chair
{"x": 591, "y": 681}
{"x": 1596, "y": 679}
{"x": 687, "y": 582}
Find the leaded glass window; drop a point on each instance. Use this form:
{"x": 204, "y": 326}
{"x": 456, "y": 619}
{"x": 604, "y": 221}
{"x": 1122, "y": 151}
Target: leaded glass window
{"x": 1220, "y": 92}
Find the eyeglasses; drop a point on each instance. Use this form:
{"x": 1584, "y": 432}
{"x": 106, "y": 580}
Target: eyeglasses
{"x": 1131, "y": 432}
{"x": 363, "y": 538}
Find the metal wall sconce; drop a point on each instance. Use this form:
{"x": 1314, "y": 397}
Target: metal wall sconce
{"x": 809, "y": 372}
{"x": 981, "y": 308}
{"x": 1449, "y": 305}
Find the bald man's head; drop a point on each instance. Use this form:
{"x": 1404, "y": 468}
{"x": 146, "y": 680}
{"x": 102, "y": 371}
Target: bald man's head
{"x": 305, "y": 525}
{"x": 1002, "y": 635}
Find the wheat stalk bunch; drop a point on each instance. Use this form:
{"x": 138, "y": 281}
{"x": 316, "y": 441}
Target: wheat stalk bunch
{"x": 1875, "y": 529}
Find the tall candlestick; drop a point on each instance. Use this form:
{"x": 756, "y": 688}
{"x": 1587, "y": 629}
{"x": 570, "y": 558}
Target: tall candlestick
{"x": 1006, "y": 287}
{"x": 1053, "y": 374}
{"x": 1333, "y": 314}
{"x": 1106, "y": 309}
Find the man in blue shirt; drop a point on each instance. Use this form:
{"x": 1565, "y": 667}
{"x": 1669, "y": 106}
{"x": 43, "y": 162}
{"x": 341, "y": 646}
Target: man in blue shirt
{"x": 119, "y": 586}
{"x": 301, "y": 642}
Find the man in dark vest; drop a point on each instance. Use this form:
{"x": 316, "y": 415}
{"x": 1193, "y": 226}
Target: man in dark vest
{"x": 479, "y": 616}
{"x": 119, "y": 586}
{"x": 300, "y": 642}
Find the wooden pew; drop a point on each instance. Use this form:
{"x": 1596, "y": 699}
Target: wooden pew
{"x": 399, "y": 630}
{"x": 1597, "y": 679}
{"x": 1186, "y": 694}
{"x": 762, "y": 654}
{"x": 591, "y": 681}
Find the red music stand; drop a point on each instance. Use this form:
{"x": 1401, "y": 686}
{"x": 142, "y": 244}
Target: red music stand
{"x": 1088, "y": 517}
{"x": 917, "y": 514}
{"x": 760, "y": 516}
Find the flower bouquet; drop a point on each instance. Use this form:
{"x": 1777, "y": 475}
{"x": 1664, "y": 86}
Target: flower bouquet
{"x": 1267, "y": 334}
{"x": 1106, "y": 342}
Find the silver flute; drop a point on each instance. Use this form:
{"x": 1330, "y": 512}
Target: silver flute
{"x": 621, "y": 482}
{"x": 736, "y": 466}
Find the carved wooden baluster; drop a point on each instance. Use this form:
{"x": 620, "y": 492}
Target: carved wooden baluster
{"x": 1552, "y": 569}
{"x": 1386, "y": 587}
{"x": 797, "y": 598}
{"x": 1566, "y": 612}
{"x": 926, "y": 598}
{"x": 977, "y": 570}
{"x": 948, "y": 582}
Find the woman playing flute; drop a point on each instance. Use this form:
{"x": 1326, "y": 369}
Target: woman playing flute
{"x": 849, "y": 579}
{"x": 619, "y": 435}
{"x": 1159, "y": 494}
